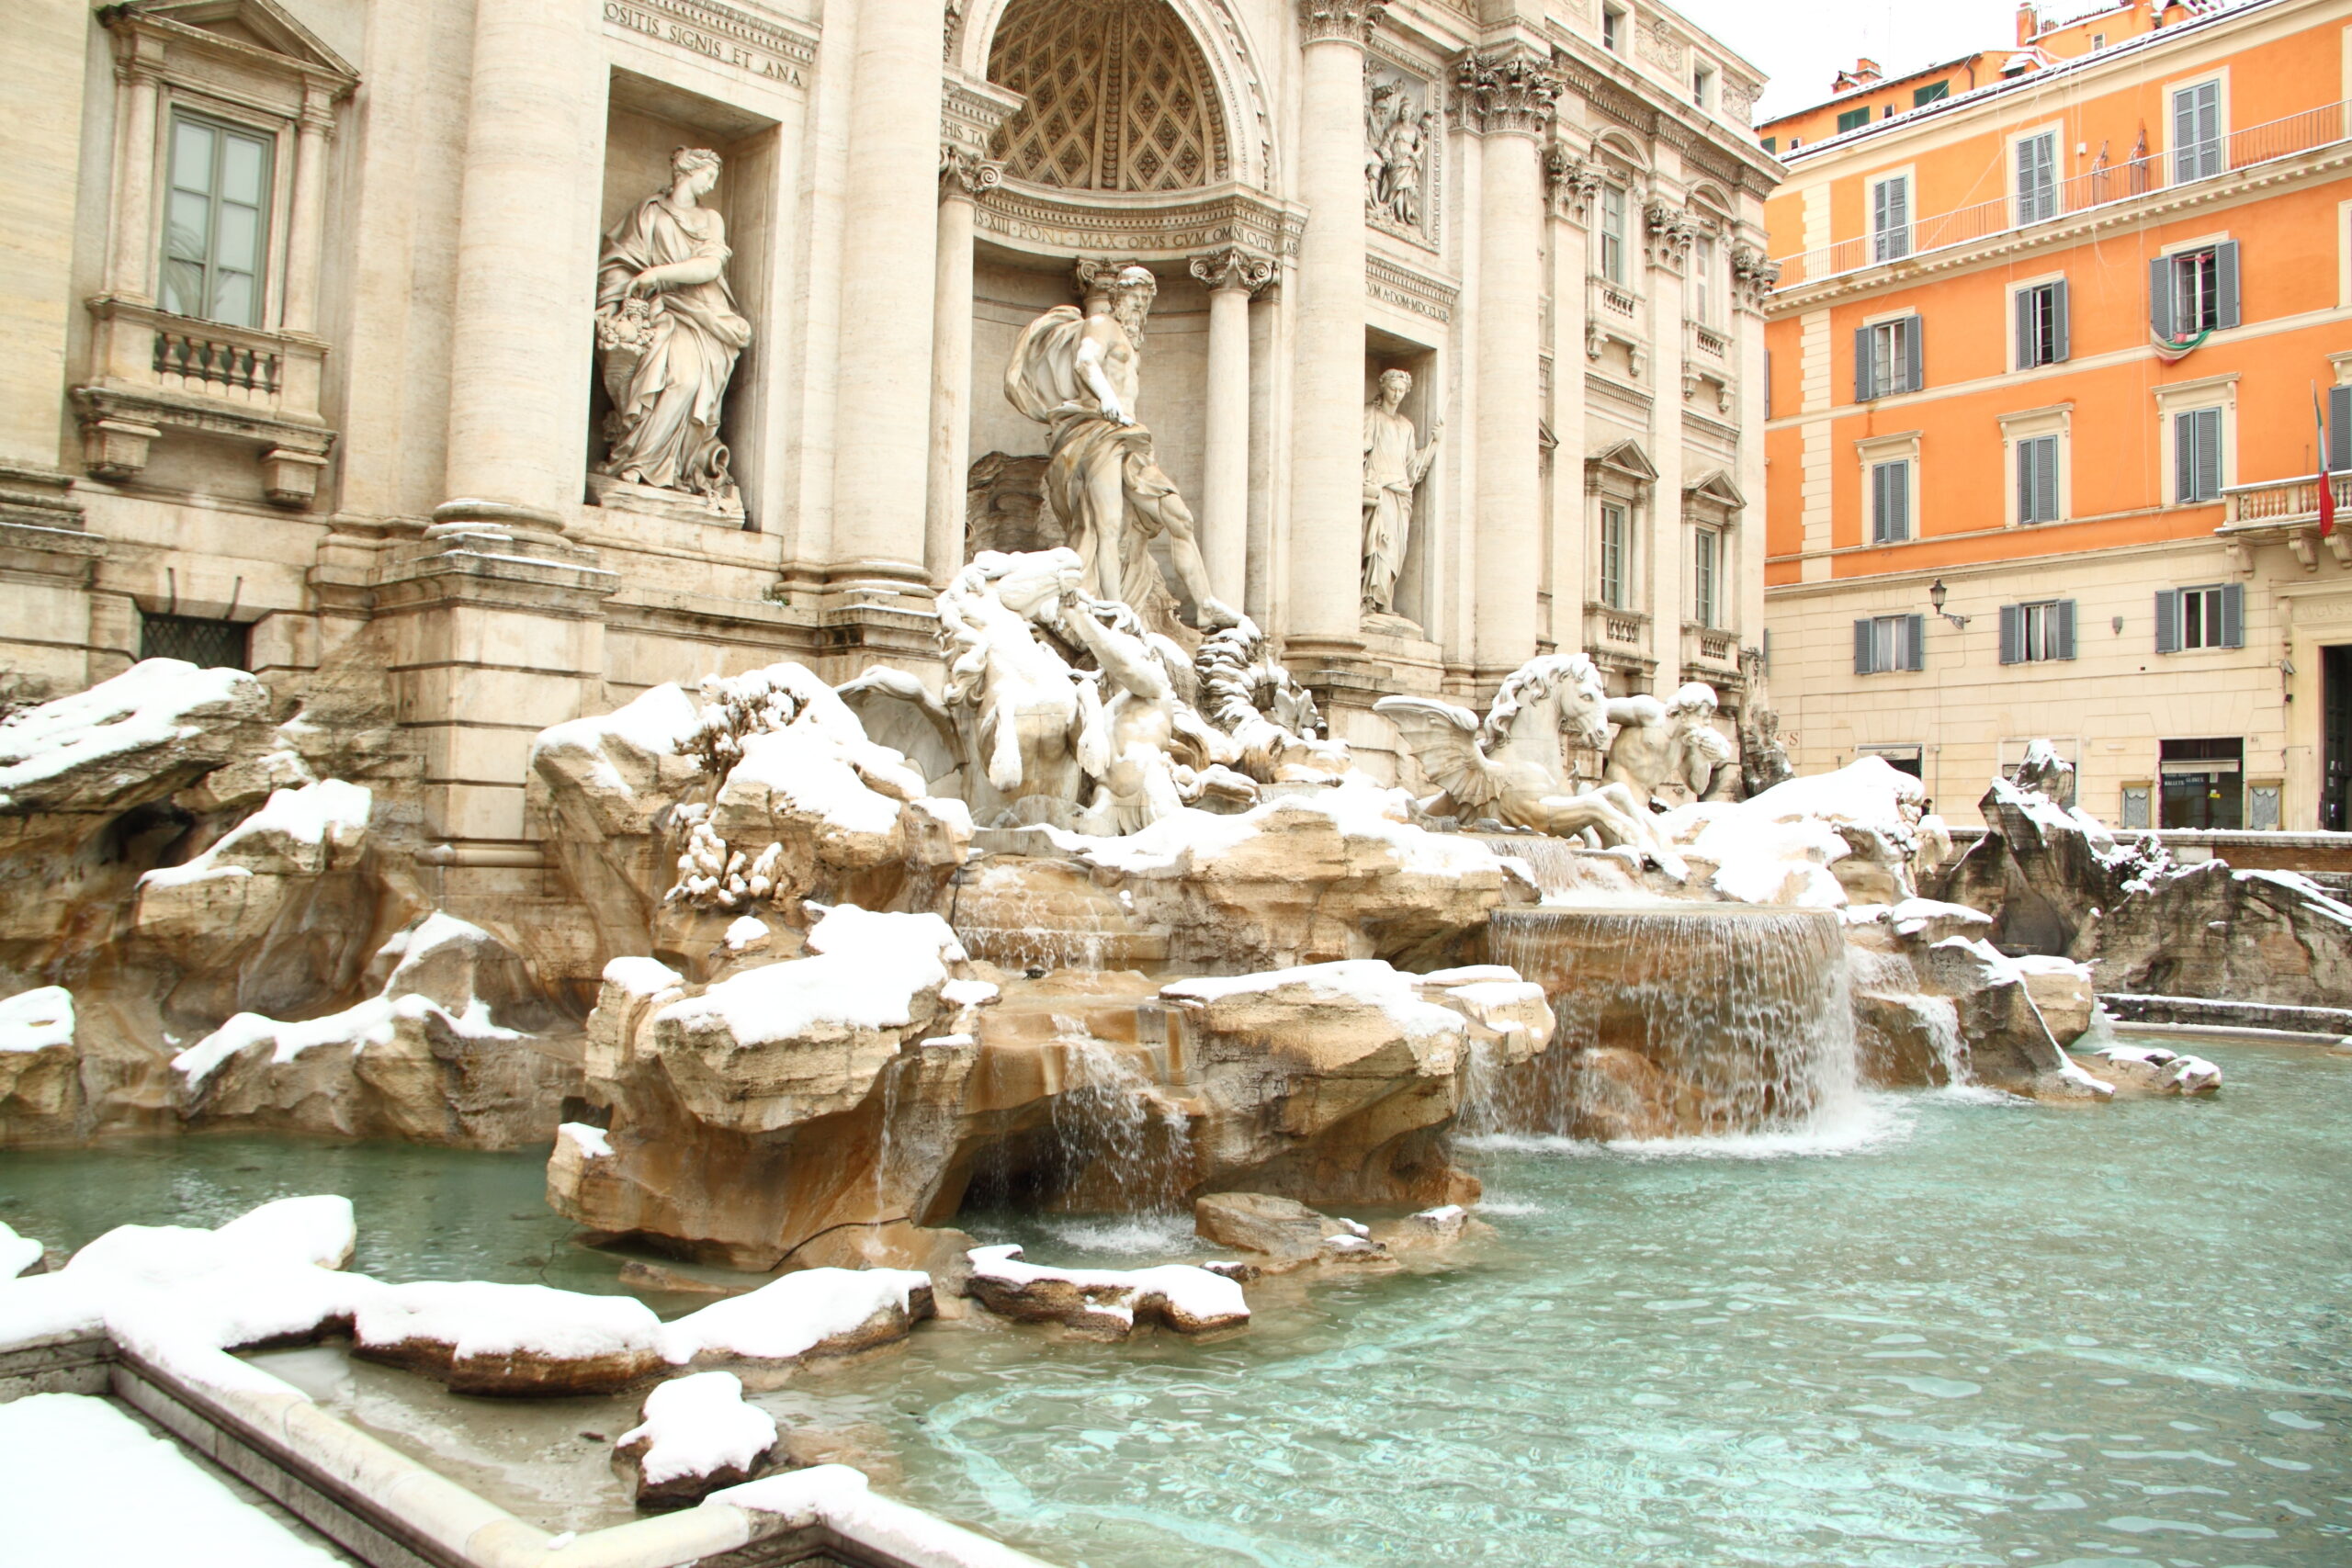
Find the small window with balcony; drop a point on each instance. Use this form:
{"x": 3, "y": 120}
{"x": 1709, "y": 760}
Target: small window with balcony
{"x": 2037, "y": 187}
{"x": 216, "y": 220}
{"x": 1616, "y": 545}
{"x": 1612, "y": 232}
{"x": 2039, "y": 632}
{"x": 2041, "y": 324}
{"x": 2197, "y": 150}
{"x": 1891, "y": 501}
{"x": 1706, "y": 291}
{"x": 1891, "y": 219}
{"x": 1706, "y": 575}
{"x": 2194, "y": 291}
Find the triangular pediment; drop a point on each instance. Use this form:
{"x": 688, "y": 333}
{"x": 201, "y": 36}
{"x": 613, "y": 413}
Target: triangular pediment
{"x": 1626, "y": 458}
{"x": 1716, "y": 487}
{"x": 255, "y": 24}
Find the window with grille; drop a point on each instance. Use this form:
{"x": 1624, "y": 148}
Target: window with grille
{"x": 1612, "y": 232}
{"x": 1614, "y": 540}
{"x": 2037, "y": 458}
{"x": 2196, "y": 456}
{"x": 1882, "y": 643}
{"x": 1891, "y": 501}
{"x": 1891, "y": 219}
{"x": 2197, "y": 133}
{"x": 2032, "y": 634}
{"x": 209, "y": 645}
{"x": 2041, "y": 324}
{"x": 2212, "y": 615}
{"x": 216, "y": 221}
{"x": 1706, "y": 571}
{"x": 2037, "y": 190}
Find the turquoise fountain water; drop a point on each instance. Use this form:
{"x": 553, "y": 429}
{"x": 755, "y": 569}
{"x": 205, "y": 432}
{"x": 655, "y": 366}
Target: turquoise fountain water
{"x": 1979, "y": 1334}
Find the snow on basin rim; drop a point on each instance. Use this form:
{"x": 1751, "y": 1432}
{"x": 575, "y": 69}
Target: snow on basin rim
{"x": 790, "y": 1316}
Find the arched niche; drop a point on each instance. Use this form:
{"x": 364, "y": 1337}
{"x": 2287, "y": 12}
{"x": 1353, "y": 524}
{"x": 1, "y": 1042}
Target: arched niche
{"x": 1238, "y": 100}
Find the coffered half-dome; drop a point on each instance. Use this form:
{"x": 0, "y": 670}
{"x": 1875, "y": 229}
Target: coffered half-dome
{"x": 1119, "y": 97}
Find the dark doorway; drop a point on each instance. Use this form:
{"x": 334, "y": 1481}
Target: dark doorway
{"x": 2335, "y": 739}
{"x": 2203, "y": 783}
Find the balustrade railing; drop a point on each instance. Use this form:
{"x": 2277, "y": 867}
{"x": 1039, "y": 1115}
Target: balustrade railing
{"x": 183, "y": 358}
{"x": 2105, "y": 186}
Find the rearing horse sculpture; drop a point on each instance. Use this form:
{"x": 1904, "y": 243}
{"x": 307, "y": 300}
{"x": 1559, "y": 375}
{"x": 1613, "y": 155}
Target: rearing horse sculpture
{"x": 1510, "y": 766}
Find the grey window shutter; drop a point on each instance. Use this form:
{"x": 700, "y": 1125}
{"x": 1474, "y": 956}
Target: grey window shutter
{"x": 2183, "y": 457}
{"x": 2167, "y": 620}
{"x": 2012, "y": 634}
{"x": 2065, "y": 649}
{"x": 1863, "y": 390}
{"x": 2226, "y": 291}
{"x": 2339, "y": 429}
{"x": 2208, "y": 423}
{"x": 1862, "y": 648}
{"x": 2184, "y": 136}
{"x": 2025, "y": 481}
{"x": 2025, "y": 334}
{"x": 1915, "y": 642}
{"x": 2160, "y": 297}
{"x": 2058, "y": 319}
{"x": 2046, "y": 479}
{"x": 2233, "y": 614}
{"x": 1915, "y": 354}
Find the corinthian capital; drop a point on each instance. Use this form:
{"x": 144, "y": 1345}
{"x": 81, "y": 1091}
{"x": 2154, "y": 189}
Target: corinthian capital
{"x": 1345, "y": 21}
{"x": 1233, "y": 266}
{"x": 963, "y": 172}
{"x": 1507, "y": 92}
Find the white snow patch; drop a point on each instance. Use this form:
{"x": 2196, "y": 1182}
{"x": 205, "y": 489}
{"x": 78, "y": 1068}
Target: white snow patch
{"x": 81, "y": 1482}
{"x": 643, "y": 976}
{"x": 2046, "y": 963}
{"x": 477, "y": 1318}
{"x": 1194, "y": 1291}
{"x": 1357, "y": 807}
{"x": 698, "y": 1425}
{"x": 792, "y": 1315}
{"x": 1370, "y": 981}
{"x": 592, "y": 1142}
{"x": 2312, "y": 893}
{"x": 329, "y": 813}
{"x": 864, "y": 972}
{"x": 657, "y": 723}
{"x": 746, "y": 932}
{"x": 2177, "y": 1069}
{"x": 823, "y": 776}
{"x": 18, "y": 1253}
{"x": 36, "y": 1020}
{"x": 147, "y": 704}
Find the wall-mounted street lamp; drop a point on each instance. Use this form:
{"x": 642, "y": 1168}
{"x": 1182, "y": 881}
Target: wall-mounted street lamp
{"x": 1935, "y": 598}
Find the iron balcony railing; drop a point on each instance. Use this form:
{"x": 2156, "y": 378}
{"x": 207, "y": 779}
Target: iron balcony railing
{"x": 2189, "y": 163}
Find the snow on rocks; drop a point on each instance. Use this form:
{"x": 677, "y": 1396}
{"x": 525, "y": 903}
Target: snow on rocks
{"x": 695, "y": 1435}
{"x": 813, "y": 1311}
{"x": 36, "y": 1019}
{"x": 1284, "y": 1232}
{"x": 1861, "y": 833}
{"x": 40, "y": 1086}
{"x": 493, "y": 1340}
{"x": 97, "y": 747}
{"x": 587, "y": 1142}
{"x": 1106, "y": 1303}
{"x": 18, "y": 1253}
{"x": 2152, "y": 1070}
{"x": 82, "y": 1483}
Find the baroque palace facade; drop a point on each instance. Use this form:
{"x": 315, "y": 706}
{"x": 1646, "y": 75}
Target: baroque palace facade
{"x": 519, "y": 354}
{"x": 2055, "y": 331}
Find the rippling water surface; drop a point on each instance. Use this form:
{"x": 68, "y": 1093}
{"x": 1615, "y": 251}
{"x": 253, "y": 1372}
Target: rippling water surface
{"x": 1949, "y": 1331}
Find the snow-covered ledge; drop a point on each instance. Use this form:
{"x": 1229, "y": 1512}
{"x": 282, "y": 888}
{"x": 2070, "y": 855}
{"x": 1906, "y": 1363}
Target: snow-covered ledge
{"x": 384, "y": 1508}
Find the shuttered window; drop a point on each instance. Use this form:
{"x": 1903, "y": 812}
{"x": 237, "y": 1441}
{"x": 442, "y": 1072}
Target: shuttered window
{"x": 2196, "y": 456}
{"x": 2037, "y": 189}
{"x": 2036, "y": 460}
{"x": 2038, "y": 632}
{"x": 1883, "y": 643}
{"x": 1891, "y": 501}
{"x": 2041, "y": 324}
{"x": 1854, "y": 119}
{"x": 1891, "y": 219}
{"x": 2197, "y": 152}
{"x": 1888, "y": 357}
{"x": 2194, "y": 291}
{"x": 2210, "y": 616}
{"x": 2339, "y": 429}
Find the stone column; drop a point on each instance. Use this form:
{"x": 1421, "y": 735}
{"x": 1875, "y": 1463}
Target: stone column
{"x": 1569, "y": 188}
{"x": 1667, "y": 234}
{"x": 1232, "y": 274}
{"x": 962, "y": 178}
{"x": 306, "y": 221}
{"x": 520, "y": 316}
{"x": 883, "y": 391}
{"x": 1326, "y": 438}
{"x": 1506, "y": 100}
{"x": 129, "y": 266}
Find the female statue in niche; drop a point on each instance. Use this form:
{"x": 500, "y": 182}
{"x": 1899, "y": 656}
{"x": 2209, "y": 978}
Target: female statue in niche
{"x": 667, "y": 337}
{"x": 1395, "y": 462}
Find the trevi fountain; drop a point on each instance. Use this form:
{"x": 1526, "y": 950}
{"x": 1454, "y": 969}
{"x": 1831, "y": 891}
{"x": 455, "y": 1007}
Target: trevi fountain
{"x": 1059, "y": 1095}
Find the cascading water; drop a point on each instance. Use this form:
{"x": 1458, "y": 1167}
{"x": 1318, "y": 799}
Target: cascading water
{"x": 1675, "y": 1018}
{"x": 1120, "y": 1144}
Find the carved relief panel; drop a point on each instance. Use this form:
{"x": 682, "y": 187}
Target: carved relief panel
{"x": 1404, "y": 128}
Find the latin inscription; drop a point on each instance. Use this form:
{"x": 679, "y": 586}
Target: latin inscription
{"x": 776, "y": 57}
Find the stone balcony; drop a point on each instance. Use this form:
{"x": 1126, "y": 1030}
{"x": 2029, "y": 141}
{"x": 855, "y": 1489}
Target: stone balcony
{"x": 2285, "y": 512}
{"x": 1619, "y": 639}
{"x": 1711, "y": 651}
{"x": 154, "y": 375}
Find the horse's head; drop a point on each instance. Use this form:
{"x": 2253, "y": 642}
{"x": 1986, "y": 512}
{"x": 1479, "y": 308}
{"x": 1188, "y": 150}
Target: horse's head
{"x": 1544, "y": 698}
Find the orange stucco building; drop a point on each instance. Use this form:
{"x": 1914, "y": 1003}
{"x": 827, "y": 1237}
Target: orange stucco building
{"x": 2041, "y": 455}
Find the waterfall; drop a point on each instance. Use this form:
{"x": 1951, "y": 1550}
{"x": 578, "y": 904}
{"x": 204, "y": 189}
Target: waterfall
{"x": 1121, "y": 1146}
{"x": 1675, "y": 1018}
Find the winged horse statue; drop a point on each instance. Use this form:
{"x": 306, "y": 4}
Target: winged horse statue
{"x": 1510, "y": 766}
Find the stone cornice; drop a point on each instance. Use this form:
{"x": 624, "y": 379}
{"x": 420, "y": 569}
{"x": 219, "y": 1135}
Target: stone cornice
{"x": 1233, "y": 266}
{"x": 1165, "y": 227}
{"x": 1505, "y": 92}
{"x": 1641, "y": 107}
{"x": 970, "y": 112}
{"x": 1338, "y": 21}
{"x": 1401, "y": 286}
